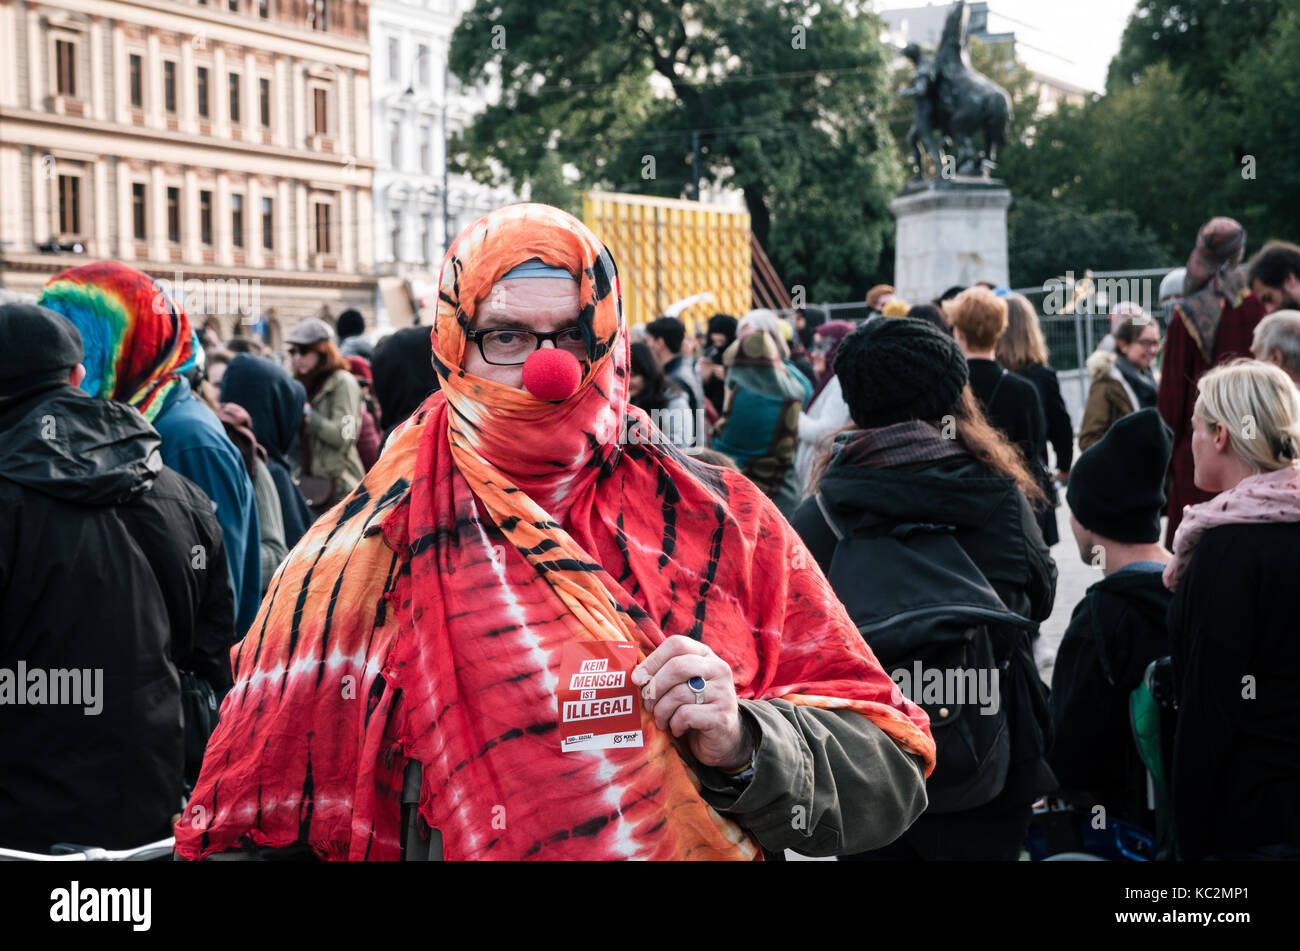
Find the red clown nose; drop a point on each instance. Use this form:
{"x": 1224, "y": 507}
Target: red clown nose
{"x": 551, "y": 374}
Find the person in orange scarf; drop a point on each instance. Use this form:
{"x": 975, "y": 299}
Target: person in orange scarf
{"x": 527, "y": 515}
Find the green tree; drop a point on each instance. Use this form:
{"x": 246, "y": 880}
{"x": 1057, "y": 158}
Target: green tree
{"x": 1137, "y": 149}
{"x": 787, "y": 100}
{"x": 1200, "y": 40}
{"x": 1046, "y": 239}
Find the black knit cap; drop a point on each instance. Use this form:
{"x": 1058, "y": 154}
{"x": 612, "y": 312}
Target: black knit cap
{"x": 892, "y": 369}
{"x": 35, "y": 342}
{"x": 1117, "y": 487}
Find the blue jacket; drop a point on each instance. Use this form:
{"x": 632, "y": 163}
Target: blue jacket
{"x": 195, "y": 444}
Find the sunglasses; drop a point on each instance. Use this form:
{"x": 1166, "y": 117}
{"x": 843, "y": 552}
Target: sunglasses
{"x": 298, "y": 351}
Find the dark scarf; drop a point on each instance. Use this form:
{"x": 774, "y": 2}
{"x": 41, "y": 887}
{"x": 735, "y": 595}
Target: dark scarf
{"x": 901, "y": 445}
{"x": 1143, "y": 382}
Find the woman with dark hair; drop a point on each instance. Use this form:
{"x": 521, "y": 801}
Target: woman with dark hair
{"x": 924, "y": 456}
{"x": 274, "y": 402}
{"x": 403, "y": 375}
{"x": 665, "y": 401}
{"x": 827, "y": 412}
{"x": 1123, "y": 380}
{"x": 722, "y": 331}
{"x": 330, "y": 465}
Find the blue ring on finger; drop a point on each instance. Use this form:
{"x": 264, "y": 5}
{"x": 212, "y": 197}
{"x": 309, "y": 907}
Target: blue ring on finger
{"x": 696, "y": 683}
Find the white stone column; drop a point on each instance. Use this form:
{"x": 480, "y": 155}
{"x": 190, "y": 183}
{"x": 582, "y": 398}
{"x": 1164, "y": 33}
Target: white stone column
{"x": 122, "y": 87}
{"x": 251, "y": 108}
{"x": 299, "y": 124}
{"x": 156, "y": 210}
{"x": 153, "y": 68}
{"x": 304, "y": 234}
{"x": 40, "y": 199}
{"x": 96, "y": 32}
{"x": 35, "y": 60}
{"x": 221, "y": 221}
{"x": 281, "y": 120}
{"x": 189, "y": 92}
{"x": 253, "y": 211}
{"x": 286, "y": 240}
{"x": 346, "y": 134}
{"x": 365, "y": 231}
{"x": 125, "y": 235}
{"x": 101, "y": 219}
{"x": 191, "y": 238}
{"x": 9, "y": 40}
{"x": 220, "y": 93}
{"x": 347, "y": 230}
{"x": 12, "y": 226}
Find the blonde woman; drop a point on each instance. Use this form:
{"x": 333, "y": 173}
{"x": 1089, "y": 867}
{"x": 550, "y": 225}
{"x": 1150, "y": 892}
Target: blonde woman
{"x": 1233, "y": 622}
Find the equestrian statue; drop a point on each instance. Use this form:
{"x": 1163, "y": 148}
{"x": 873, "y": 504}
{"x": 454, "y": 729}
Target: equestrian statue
{"x": 951, "y": 99}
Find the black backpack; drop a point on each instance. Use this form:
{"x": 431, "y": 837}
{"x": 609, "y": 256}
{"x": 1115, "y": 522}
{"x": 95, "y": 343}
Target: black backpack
{"x": 924, "y": 607}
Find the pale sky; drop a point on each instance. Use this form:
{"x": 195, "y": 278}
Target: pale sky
{"x": 1073, "y": 40}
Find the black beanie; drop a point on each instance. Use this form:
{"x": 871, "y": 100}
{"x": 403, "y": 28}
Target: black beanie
{"x": 892, "y": 369}
{"x": 351, "y": 324}
{"x": 35, "y": 342}
{"x": 1117, "y": 487}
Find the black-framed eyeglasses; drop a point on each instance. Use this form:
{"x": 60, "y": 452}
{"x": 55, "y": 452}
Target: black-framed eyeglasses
{"x": 299, "y": 351}
{"x": 509, "y": 346}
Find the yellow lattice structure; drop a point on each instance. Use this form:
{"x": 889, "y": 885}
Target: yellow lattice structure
{"x": 667, "y": 250}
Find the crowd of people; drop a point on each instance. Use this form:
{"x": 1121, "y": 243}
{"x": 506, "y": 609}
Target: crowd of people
{"x": 378, "y": 558}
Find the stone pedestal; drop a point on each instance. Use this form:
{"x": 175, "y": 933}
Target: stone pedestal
{"x": 950, "y": 232}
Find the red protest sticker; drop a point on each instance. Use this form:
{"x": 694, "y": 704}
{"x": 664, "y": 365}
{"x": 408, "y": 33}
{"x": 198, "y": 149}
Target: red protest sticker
{"x": 600, "y": 708}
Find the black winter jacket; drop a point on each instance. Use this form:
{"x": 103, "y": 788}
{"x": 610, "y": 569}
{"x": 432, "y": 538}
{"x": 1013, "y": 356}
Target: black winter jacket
{"x": 108, "y": 562}
{"x": 1236, "y": 649}
{"x": 1115, "y": 632}
{"x": 995, "y": 526}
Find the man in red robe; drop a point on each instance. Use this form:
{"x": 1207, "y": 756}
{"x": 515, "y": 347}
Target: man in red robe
{"x": 1213, "y": 324}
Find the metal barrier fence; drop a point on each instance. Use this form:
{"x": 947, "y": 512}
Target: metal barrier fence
{"x": 1075, "y": 316}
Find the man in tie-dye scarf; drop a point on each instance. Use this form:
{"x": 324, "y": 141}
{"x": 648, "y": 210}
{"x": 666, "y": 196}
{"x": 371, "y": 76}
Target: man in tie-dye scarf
{"x": 426, "y": 619}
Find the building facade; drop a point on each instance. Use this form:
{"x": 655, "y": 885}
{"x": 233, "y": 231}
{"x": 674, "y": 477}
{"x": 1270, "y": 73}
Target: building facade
{"x": 419, "y": 205}
{"x": 222, "y": 146}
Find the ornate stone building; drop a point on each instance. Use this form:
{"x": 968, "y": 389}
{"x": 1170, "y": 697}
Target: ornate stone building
{"x": 223, "y": 146}
{"x": 419, "y": 206}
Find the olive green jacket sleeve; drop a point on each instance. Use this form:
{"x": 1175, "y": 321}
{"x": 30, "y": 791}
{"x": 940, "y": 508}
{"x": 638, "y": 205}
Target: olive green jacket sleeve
{"x": 333, "y": 428}
{"x": 826, "y": 782}
{"x": 271, "y": 521}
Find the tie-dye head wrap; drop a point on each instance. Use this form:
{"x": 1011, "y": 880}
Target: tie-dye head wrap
{"x": 426, "y": 615}
{"x": 138, "y": 340}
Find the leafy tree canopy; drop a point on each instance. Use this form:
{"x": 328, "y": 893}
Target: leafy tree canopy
{"x": 788, "y": 98}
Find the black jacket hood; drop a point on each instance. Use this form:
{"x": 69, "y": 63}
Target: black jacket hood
{"x": 1126, "y": 620}
{"x": 56, "y": 440}
{"x": 958, "y": 492}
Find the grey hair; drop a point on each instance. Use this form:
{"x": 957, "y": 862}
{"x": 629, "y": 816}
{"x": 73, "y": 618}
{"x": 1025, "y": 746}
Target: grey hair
{"x": 1281, "y": 331}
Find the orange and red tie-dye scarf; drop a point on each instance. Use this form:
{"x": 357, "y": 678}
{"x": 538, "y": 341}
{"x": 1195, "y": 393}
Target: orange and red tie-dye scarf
{"x": 425, "y": 617}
